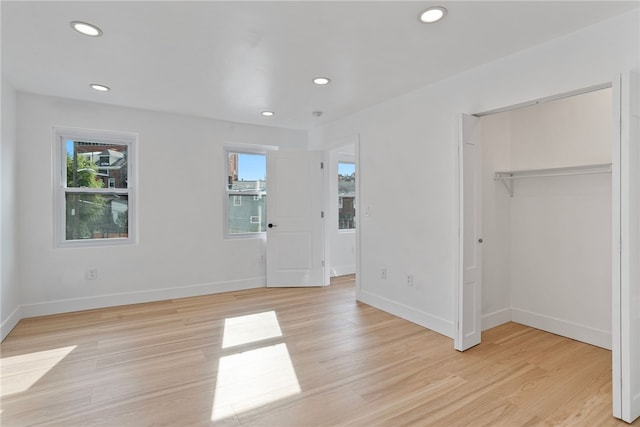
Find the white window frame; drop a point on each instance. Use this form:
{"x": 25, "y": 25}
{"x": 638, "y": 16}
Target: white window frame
{"x": 61, "y": 135}
{"x": 244, "y": 149}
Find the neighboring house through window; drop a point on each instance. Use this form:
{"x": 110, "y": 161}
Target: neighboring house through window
{"x": 96, "y": 187}
{"x": 346, "y": 196}
{"x": 246, "y": 191}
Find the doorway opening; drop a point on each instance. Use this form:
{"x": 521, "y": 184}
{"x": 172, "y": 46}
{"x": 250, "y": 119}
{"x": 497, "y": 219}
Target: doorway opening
{"x": 547, "y": 217}
{"x": 342, "y": 209}
{"x": 575, "y": 211}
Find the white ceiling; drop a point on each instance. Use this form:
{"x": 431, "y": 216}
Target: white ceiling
{"x": 231, "y": 60}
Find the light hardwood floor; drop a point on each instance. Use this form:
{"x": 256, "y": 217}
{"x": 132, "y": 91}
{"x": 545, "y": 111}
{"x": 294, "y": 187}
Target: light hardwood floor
{"x": 291, "y": 357}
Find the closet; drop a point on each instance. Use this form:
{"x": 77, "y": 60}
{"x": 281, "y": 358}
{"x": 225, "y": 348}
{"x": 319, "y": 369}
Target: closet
{"x": 546, "y": 217}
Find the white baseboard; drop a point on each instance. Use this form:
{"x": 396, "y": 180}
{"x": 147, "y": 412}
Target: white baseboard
{"x": 426, "y": 320}
{"x": 10, "y": 322}
{"x": 102, "y": 301}
{"x": 496, "y": 318}
{"x": 342, "y": 270}
{"x": 564, "y": 328}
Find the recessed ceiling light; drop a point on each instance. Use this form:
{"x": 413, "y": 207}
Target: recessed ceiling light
{"x": 100, "y": 88}
{"x": 86, "y": 29}
{"x": 267, "y": 113}
{"x": 321, "y": 80}
{"x": 433, "y": 14}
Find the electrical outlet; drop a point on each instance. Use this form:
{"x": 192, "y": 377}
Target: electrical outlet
{"x": 410, "y": 279}
{"x": 383, "y": 273}
{"x": 92, "y": 273}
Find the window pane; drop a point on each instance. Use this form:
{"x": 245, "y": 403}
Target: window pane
{"x": 247, "y": 214}
{"x": 96, "y": 164}
{"x": 96, "y": 216}
{"x": 346, "y": 196}
{"x": 247, "y": 172}
{"x": 347, "y": 213}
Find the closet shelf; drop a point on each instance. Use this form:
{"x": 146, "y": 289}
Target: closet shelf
{"x": 507, "y": 177}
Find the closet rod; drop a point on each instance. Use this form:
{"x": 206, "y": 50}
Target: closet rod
{"x": 567, "y": 170}
{"x": 508, "y": 176}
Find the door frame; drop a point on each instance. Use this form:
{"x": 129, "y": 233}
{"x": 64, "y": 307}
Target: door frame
{"x": 618, "y": 203}
{"x": 624, "y": 87}
{"x": 343, "y": 142}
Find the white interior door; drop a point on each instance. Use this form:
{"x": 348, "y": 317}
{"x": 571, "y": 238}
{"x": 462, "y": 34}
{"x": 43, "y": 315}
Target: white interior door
{"x": 295, "y": 239}
{"x": 626, "y": 309}
{"x": 469, "y": 326}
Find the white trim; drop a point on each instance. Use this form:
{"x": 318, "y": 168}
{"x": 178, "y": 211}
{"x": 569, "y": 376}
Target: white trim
{"x": 626, "y": 301}
{"x": 497, "y": 318}
{"x": 576, "y": 331}
{"x": 247, "y": 148}
{"x": 342, "y": 270}
{"x": 10, "y": 322}
{"x": 556, "y": 97}
{"x": 112, "y": 300}
{"x": 358, "y": 218}
{"x": 429, "y": 321}
{"x": 616, "y": 244}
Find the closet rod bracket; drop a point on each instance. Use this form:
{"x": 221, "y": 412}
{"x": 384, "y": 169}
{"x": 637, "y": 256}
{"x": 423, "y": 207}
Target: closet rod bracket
{"x": 508, "y": 184}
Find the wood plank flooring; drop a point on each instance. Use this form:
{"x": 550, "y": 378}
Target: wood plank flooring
{"x": 290, "y": 357}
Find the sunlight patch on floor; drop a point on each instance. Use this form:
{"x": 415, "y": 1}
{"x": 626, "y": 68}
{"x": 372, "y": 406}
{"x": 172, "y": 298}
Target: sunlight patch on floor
{"x": 19, "y": 373}
{"x": 249, "y": 379}
{"x": 251, "y": 328}
{"x": 253, "y": 378}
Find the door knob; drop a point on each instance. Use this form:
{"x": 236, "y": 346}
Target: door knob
{"x": 480, "y": 240}
{"x": 271, "y": 225}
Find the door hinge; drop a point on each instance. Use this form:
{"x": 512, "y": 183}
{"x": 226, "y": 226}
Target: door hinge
{"x": 322, "y": 214}
{"x": 321, "y": 165}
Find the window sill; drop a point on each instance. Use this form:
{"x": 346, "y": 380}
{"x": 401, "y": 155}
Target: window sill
{"x": 242, "y": 236}
{"x": 96, "y": 243}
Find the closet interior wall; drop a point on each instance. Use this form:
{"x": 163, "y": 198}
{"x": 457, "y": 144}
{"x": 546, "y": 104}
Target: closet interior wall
{"x": 547, "y": 249}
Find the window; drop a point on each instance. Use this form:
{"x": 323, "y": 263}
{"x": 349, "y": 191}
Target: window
{"x": 346, "y": 196}
{"x": 246, "y": 191}
{"x": 95, "y": 187}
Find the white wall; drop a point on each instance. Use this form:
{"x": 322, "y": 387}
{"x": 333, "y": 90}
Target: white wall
{"x": 10, "y": 295}
{"x": 408, "y": 155}
{"x": 342, "y": 243}
{"x": 181, "y": 248}
{"x": 566, "y": 132}
{"x": 554, "y": 234}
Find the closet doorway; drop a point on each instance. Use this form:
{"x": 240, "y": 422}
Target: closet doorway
{"x": 612, "y": 244}
{"x": 547, "y": 217}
